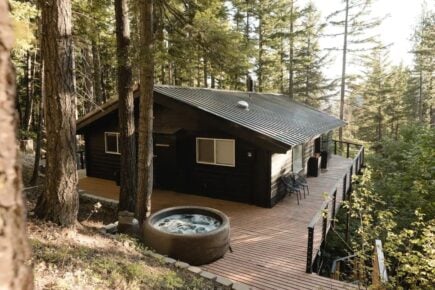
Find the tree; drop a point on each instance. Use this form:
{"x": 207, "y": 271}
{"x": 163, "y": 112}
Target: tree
{"x": 145, "y": 142}
{"x": 126, "y": 109}
{"x": 375, "y": 95}
{"x": 356, "y": 25}
{"x": 424, "y": 68}
{"x": 14, "y": 247}
{"x": 59, "y": 201}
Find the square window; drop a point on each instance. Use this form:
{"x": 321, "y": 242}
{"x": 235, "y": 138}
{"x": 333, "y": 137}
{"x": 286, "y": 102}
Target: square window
{"x": 111, "y": 142}
{"x": 205, "y": 150}
{"x": 215, "y": 151}
{"x": 225, "y": 152}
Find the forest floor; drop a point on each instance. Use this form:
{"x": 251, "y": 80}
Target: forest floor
{"x": 87, "y": 258}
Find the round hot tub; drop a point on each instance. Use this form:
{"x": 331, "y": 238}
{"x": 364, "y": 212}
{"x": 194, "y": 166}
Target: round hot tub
{"x": 196, "y": 235}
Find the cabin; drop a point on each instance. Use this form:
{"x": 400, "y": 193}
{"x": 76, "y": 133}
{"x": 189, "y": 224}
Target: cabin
{"x": 222, "y": 144}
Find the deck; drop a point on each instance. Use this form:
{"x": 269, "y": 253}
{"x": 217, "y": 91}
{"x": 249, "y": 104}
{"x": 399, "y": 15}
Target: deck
{"x": 269, "y": 245}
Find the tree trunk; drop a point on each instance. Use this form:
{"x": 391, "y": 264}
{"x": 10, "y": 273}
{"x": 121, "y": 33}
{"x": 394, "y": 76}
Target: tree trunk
{"x": 343, "y": 71}
{"x": 205, "y": 72}
{"x": 291, "y": 53}
{"x": 213, "y": 82}
{"x": 145, "y": 144}
{"x": 307, "y": 72}
{"x": 39, "y": 136}
{"x": 27, "y": 118}
{"x": 96, "y": 73}
{"x": 89, "y": 79}
{"x": 260, "y": 55}
{"x": 59, "y": 202}
{"x": 14, "y": 247}
{"x": 126, "y": 109}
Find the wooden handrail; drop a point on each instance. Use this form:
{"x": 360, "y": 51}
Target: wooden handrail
{"x": 354, "y": 168}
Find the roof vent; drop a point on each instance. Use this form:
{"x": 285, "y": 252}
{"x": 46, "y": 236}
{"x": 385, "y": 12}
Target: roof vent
{"x": 243, "y": 105}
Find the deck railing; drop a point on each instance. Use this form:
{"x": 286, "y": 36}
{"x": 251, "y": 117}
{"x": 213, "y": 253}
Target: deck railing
{"x": 325, "y": 217}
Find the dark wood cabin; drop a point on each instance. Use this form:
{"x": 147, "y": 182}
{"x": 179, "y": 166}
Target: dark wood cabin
{"x": 222, "y": 144}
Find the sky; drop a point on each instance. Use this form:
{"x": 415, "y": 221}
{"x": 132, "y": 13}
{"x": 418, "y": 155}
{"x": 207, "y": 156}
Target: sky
{"x": 396, "y": 29}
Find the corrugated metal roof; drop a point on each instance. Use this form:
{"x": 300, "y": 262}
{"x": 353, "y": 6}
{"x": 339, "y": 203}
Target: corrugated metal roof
{"x": 272, "y": 115}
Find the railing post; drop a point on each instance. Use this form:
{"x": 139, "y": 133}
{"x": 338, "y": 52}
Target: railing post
{"x": 344, "y": 187}
{"x": 335, "y": 147}
{"x": 82, "y": 159}
{"x": 309, "y": 268}
{"x": 347, "y": 150}
{"x": 324, "y": 224}
{"x": 334, "y": 199}
{"x": 350, "y": 177}
{"x": 362, "y": 155}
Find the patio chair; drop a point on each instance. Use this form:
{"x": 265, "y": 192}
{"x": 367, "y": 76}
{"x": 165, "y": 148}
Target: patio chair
{"x": 302, "y": 182}
{"x": 290, "y": 187}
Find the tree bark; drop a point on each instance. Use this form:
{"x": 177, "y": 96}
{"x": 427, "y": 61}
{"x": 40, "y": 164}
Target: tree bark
{"x": 260, "y": 55}
{"x": 14, "y": 247}
{"x": 89, "y": 78}
{"x": 126, "y": 109}
{"x": 96, "y": 73}
{"x": 343, "y": 70}
{"x": 145, "y": 160}
{"x": 291, "y": 52}
{"x": 59, "y": 202}
{"x": 39, "y": 134}
{"x": 27, "y": 118}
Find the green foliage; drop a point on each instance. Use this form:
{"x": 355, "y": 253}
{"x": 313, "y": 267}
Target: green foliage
{"x": 404, "y": 171}
{"x": 24, "y": 23}
{"x": 394, "y": 202}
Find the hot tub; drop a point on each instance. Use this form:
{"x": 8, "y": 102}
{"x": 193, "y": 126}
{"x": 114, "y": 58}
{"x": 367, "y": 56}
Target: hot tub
{"x": 196, "y": 235}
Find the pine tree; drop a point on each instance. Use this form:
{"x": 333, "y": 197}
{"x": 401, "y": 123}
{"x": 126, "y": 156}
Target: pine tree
{"x": 424, "y": 68}
{"x": 15, "y": 273}
{"x": 126, "y": 109}
{"x": 355, "y": 21}
{"x": 375, "y": 93}
{"x": 145, "y": 141}
{"x": 59, "y": 202}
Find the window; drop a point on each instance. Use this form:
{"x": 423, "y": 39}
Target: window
{"x": 111, "y": 141}
{"x": 297, "y": 158}
{"x": 215, "y": 151}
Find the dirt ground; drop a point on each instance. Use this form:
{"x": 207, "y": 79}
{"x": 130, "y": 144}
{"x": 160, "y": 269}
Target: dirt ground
{"x": 87, "y": 258}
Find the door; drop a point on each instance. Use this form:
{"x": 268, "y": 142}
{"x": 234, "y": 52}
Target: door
{"x": 165, "y": 161}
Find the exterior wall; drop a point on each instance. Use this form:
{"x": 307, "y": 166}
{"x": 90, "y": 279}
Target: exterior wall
{"x": 308, "y": 151}
{"x": 281, "y": 164}
{"x": 98, "y": 163}
{"x": 175, "y": 162}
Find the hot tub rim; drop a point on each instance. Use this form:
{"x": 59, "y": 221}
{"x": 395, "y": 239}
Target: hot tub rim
{"x": 153, "y": 218}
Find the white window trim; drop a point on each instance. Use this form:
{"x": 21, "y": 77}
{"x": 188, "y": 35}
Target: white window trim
{"x": 117, "y": 143}
{"x": 214, "y": 148}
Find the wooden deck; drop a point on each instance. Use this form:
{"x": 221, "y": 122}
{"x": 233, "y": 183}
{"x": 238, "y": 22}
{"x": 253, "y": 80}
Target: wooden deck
{"x": 269, "y": 245}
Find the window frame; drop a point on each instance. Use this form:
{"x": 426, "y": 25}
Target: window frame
{"x": 117, "y": 143}
{"x": 233, "y": 141}
{"x": 297, "y": 170}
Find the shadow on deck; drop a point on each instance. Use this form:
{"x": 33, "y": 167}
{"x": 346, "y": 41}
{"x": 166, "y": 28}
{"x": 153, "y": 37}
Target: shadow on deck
{"x": 269, "y": 245}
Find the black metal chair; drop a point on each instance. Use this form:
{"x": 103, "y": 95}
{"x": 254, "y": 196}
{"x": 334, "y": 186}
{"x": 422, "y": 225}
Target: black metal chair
{"x": 302, "y": 182}
{"x": 290, "y": 186}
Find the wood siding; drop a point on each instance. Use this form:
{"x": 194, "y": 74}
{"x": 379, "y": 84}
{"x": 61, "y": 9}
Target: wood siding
{"x": 175, "y": 164}
{"x": 99, "y": 163}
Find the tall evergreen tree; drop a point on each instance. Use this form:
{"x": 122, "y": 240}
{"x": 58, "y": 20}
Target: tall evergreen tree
{"x": 15, "y": 273}
{"x": 424, "y": 68}
{"x": 59, "y": 202}
{"x": 355, "y": 21}
{"x": 145, "y": 142}
{"x": 126, "y": 109}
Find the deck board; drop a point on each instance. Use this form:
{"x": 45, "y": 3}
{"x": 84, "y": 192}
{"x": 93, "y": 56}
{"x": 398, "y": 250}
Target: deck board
{"x": 269, "y": 245}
